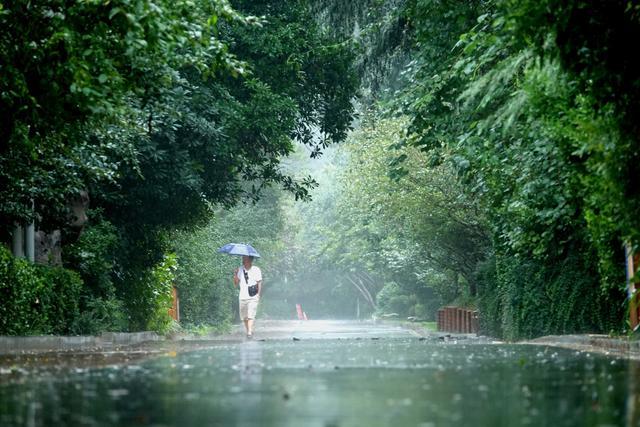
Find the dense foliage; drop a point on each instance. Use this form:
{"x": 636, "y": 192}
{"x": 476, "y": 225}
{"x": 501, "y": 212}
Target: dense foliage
{"x": 358, "y": 248}
{"x": 37, "y": 300}
{"x": 204, "y": 277}
{"x": 79, "y": 79}
{"x": 162, "y": 111}
{"x": 493, "y": 166}
{"x": 531, "y": 142}
{"x": 522, "y": 120}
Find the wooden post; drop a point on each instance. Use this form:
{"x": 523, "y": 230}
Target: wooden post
{"x": 444, "y": 319}
{"x": 447, "y": 319}
{"x": 452, "y": 315}
{"x": 467, "y": 322}
{"x": 174, "y": 311}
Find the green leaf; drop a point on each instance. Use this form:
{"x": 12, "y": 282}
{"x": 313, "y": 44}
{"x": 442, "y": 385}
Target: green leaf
{"x": 114, "y": 12}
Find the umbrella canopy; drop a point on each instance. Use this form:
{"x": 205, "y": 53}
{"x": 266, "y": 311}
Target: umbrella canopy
{"x": 239, "y": 249}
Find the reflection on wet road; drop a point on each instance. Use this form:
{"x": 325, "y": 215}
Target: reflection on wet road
{"x": 375, "y": 378}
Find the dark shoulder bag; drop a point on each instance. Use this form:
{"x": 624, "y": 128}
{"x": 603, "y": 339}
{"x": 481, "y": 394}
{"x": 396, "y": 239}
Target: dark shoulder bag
{"x": 253, "y": 290}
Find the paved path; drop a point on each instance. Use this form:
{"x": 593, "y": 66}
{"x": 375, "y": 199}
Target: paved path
{"x": 322, "y": 329}
{"x": 324, "y": 374}
{"x": 34, "y": 353}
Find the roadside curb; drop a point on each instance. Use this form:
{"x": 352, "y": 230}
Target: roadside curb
{"x": 35, "y": 344}
{"x": 603, "y": 344}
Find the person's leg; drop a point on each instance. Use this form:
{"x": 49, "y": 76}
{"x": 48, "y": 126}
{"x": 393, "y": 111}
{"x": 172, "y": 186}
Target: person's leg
{"x": 244, "y": 315}
{"x": 252, "y": 309}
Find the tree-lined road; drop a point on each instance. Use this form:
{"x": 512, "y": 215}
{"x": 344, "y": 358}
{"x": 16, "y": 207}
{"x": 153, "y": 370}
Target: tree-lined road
{"x": 331, "y": 374}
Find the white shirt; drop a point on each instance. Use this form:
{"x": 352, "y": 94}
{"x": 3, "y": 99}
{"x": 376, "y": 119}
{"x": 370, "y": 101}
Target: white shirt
{"x": 255, "y": 276}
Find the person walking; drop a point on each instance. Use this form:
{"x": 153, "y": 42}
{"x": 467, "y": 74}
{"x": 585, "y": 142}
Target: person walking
{"x": 248, "y": 278}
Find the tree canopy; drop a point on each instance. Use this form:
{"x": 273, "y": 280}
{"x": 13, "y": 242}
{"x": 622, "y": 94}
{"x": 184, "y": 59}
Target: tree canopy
{"x": 492, "y": 162}
{"x": 162, "y": 112}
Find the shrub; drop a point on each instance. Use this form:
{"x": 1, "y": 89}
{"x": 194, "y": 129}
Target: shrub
{"x": 101, "y": 314}
{"x": 35, "y": 299}
{"x": 151, "y": 297}
{"x": 162, "y": 279}
{"x": 93, "y": 256}
{"x": 422, "y": 312}
{"x": 60, "y": 298}
{"x": 207, "y": 296}
{"x": 391, "y": 299}
{"x": 525, "y": 297}
{"x": 489, "y": 298}
{"x": 20, "y": 287}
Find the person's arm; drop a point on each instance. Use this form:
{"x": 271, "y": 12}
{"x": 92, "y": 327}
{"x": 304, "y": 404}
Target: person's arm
{"x": 259, "y": 281}
{"x": 236, "y": 279}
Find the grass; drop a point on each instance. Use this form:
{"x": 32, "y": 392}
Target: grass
{"x": 207, "y": 330}
{"x": 430, "y": 326}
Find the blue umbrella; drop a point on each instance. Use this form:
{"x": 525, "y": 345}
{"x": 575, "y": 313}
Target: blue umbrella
{"x": 239, "y": 249}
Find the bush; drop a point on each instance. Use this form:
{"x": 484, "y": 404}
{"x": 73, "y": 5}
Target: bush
{"x": 100, "y": 315}
{"x": 162, "y": 280}
{"x": 207, "y": 295}
{"x": 60, "y": 299}
{"x": 274, "y": 306}
{"x": 422, "y": 312}
{"x": 524, "y": 297}
{"x": 20, "y": 287}
{"x": 391, "y": 299}
{"x": 489, "y": 298}
{"x": 36, "y": 300}
{"x": 93, "y": 256}
{"x": 151, "y": 297}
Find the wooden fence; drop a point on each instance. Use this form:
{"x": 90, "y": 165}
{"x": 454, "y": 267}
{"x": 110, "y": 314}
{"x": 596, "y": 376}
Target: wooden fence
{"x": 458, "y": 320}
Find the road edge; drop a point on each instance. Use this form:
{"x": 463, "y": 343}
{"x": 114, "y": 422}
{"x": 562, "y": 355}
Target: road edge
{"x": 620, "y": 347}
{"x": 10, "y": 345}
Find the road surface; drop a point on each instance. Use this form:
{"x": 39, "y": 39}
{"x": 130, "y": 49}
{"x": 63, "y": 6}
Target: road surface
{"x": 325, "y": 374}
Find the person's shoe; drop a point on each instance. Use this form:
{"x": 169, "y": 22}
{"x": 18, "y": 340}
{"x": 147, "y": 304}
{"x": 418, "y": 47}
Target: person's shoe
{"x": 249, "y": 336}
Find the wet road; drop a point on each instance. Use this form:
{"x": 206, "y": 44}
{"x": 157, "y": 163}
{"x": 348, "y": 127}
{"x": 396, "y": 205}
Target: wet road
{"x": 334, "y": 374}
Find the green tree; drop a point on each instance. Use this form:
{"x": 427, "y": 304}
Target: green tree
{"x": 222, "y": 140}
{"x": 75, "y": 74}
{"x": 147, "y": 106}
{"x": 506, "y": 114}
{"x": 378, "y": 238}
{"x": 203, "y": 276}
